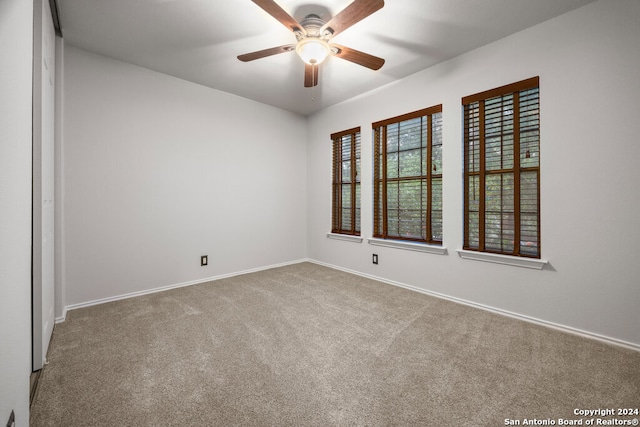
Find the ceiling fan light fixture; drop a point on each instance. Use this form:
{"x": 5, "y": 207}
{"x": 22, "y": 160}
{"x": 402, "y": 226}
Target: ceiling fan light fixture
{"x": 313, "y": 50}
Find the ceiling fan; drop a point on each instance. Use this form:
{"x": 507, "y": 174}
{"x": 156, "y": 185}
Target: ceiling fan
{"x": 313, "y": 36}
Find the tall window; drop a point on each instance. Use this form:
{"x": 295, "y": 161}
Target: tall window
{"x": 346, "y": 182}
{"x": 502, "y": 170}
{"x": 408, "y": 176}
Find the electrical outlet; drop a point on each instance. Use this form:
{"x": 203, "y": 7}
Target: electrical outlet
{"x": 204, "y": 260}
{"x": 375, "y": 258}
{"x": 12, "y": 420}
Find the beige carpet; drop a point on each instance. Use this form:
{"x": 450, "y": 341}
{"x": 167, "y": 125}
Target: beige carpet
{"x": 306, "y": 345}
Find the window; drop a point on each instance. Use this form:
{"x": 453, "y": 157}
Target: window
{"x": 408, "y": 177}
{"x": 346, "y": 182}
{"x": 502, "y": 170}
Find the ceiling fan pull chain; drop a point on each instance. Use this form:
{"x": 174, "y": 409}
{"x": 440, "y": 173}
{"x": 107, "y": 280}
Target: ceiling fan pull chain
{"x": 313, "y": 89}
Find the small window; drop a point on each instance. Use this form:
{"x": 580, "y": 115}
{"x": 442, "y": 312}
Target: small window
{"x": 346, "y": 182}
{"x": 408, "y": 177}
{"x": 502, "y": 170}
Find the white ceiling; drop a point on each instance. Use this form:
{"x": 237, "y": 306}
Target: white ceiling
{"x": 199, "y": 40}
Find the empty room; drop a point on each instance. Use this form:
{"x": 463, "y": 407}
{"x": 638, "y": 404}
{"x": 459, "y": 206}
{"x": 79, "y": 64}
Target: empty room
{"x": 327, "y": 213}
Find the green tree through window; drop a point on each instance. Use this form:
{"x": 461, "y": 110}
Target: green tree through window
{"x": 502, "y": 170}
{"x": 345, "y": 218}
{"x": 408, "y": 176}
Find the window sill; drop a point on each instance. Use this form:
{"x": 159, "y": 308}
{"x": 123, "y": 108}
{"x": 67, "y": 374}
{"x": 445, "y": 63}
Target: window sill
{"x": 419, "y": 247}
{"x": 345, "y": 237}
{"x": 537, "y": 264}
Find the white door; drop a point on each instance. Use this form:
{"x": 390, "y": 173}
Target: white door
{"x": 43, "y": 181}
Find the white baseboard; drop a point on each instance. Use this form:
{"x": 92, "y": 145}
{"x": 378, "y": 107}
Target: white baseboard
{"x": 166, "y": 288}
{"x": 563, "y": 328}
{"x": 63, "y": 317}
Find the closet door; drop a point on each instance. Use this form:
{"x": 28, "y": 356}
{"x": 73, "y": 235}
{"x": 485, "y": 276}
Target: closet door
{"x": 43, "y": 181}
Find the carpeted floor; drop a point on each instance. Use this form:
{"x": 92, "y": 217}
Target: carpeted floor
{"x": 306, "y": 345}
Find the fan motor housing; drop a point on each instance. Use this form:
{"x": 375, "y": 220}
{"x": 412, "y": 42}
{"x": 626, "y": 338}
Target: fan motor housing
{"x": 312, "y": 24}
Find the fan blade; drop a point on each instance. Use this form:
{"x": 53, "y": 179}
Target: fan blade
{"x": 310, "y": 75}
{"x": 357, "y": 57}
{"x": 266, "y": 52}
{"x": 273, "y": 9}
{"x": 355, "y": 12}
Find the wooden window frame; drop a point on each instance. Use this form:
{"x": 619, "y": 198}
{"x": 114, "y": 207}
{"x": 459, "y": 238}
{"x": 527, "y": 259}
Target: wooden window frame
{"x": 517, "y": 170}
{"x": 337, "y": 226}
{"x": 382, "y": 179}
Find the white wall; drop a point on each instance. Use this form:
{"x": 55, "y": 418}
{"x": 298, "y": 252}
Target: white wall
{"x": 159, "y": 171}
{"x": 588, "y": 62}
{"x": 16, "y": 41}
